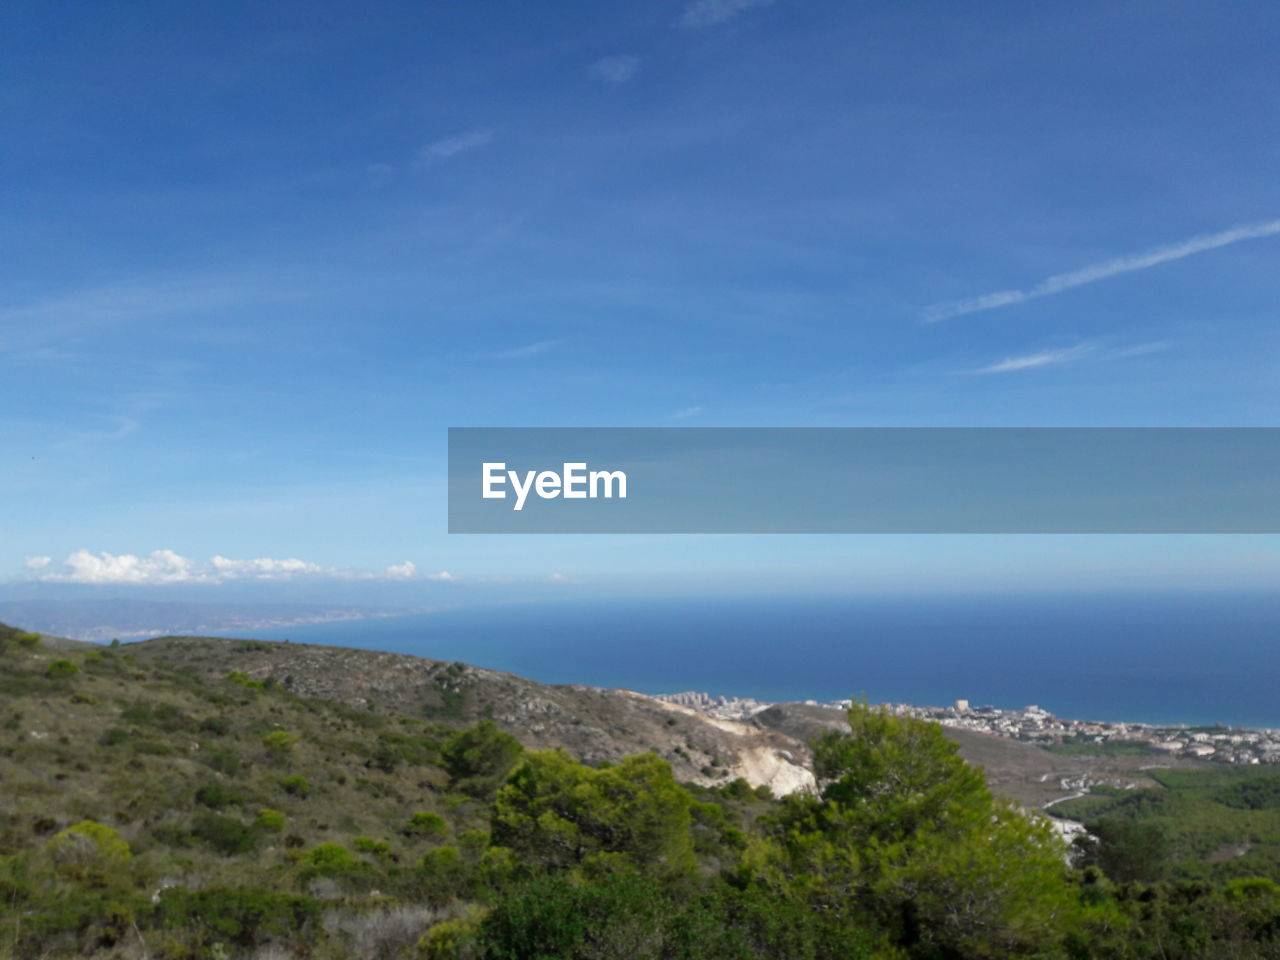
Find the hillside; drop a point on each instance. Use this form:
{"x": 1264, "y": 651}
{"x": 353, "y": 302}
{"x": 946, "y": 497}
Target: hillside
{"x": 602, "y": 726}
{"x": 137, "y": 796}
{"x": 154, "y": 804}
{"x": 597, "y": 726}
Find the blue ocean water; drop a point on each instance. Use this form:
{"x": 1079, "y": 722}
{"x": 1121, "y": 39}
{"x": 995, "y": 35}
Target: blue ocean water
{"x": 1168, "y": 658}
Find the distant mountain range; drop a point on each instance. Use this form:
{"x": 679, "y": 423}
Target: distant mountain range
{"x": 101, "y": 621}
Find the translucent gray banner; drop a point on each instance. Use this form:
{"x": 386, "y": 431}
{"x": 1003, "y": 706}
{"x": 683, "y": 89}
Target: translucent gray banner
{"x": 864, "y": 480}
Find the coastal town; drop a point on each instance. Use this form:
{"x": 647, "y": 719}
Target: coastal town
{"x": 1033, "y": 724}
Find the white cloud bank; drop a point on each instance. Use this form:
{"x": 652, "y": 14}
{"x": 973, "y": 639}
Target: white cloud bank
{"x": 402, "y": 571}
{"x": 1101, "y": 271}
{"x": 167, "y": 567}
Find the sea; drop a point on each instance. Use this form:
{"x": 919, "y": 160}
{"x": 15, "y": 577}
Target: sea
{"x": 1166, "y": 658}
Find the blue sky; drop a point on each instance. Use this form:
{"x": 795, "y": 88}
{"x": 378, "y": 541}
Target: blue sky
{"x": 258, "y": 257}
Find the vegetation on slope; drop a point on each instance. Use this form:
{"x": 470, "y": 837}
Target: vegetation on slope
{"x": 1216, "y": 825}
{"x": 596, "y": 726}
{"x": 152, "y": 812}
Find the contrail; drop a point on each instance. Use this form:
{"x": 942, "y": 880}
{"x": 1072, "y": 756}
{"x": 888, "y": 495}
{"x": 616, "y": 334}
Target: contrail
{"x": 1100, "y": 271}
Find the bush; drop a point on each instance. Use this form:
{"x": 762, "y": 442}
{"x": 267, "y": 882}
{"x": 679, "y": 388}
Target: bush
{"x": 441, "y": 876}
{"x": 329, "y": 860}
{"x": 113, "y": 737}
{"x": 61, "y": 669}
{"x": 280, "y": 742}
{"x": 423, "y": 824}
{"x": 378, "y": 848}
{"x": 375, "y": 788}
{"x": 215, "y": 797}
{"x": 217, "y": 725}
{"x": 452, "y": 938}
{"x": 89, "y": 851}
{"x": 246, "y": 918}
{"x": 619, "y": 916}
{"x": 165, "y": 716}
{"x": 479, "y": 758}
{"x": 556, "y": 813}
{"x": 269, "y": 819}
{"x": 296, "y": 785}
{"x": 226, "y": 835}
{"x": 19, "y": 638}
{"x": 223, "y": 761}
{"x": 244, "y": 680}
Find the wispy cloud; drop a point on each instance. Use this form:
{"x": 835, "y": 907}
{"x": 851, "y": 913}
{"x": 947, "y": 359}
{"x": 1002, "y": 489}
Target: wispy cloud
{"x": 523, "y": 353}
{"x": 618, "y": 68}
{"x": 708, "y": 13}
{"x": 117, "y": 428}
{"x": 138, "y": 300}
{"x": 1047, "y": 358}
{"x": 686, "y": 413}
{"x": 1101, "y": 271}
{"x": 1140, "y": 349}
{"x": 448, "y": 147}
{"x": 161, "y": 567}
{"x": 1042, "y": 359}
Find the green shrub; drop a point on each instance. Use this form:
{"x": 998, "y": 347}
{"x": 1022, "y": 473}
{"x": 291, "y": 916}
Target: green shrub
{"x": 164, "y": 716}
{"x": 218, "y": 726}
{"x": 215, "y": 797}
{"x": 453, "y": 938}
{"x": 479, "y": 758}
{"x": 245, "y": 918}
{"x": 296, "y": 785}
{"x": 375, "y": 788}
{"x": 280, "y": 742}
{"x": 269, "y": 819}
{"x": 441, "y": 875}
{"x": 89, "y": 851}
{"x": 226, "y": 835}
{"x": 379, "y": 848}
{"x": 423, "y": 824}
{"x": 113, "y": 737}
{"x": 61, "y": 669}
{"x": 223, "y": 761}
{"x": 244, "y": 680}
{"x": 19, "y": 638}
{"x": 329, "y": 860}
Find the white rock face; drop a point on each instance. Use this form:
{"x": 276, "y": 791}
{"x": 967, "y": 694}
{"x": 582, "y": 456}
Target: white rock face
{"x": 762, "y": 758}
